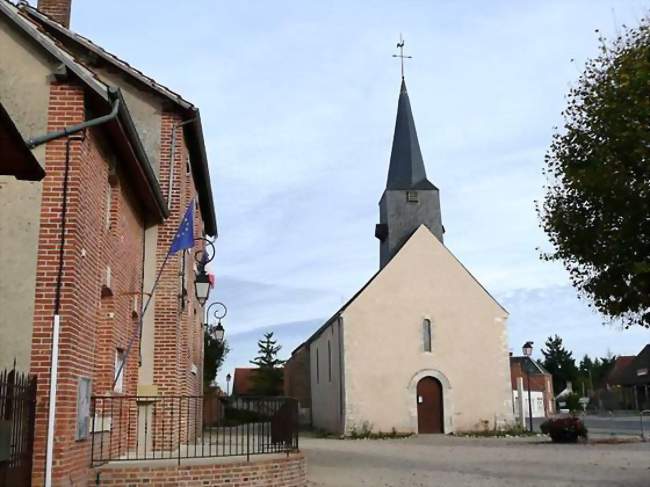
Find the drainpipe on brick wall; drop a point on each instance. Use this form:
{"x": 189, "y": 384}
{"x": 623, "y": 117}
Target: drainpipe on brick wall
{"x": 54, "y": 361}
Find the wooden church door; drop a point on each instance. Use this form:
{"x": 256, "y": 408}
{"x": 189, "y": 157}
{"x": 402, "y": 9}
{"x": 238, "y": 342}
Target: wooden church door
{"x": 429, "y": 398}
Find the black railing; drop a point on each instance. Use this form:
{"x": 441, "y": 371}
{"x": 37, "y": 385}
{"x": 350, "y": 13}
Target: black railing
{"x": 180, "y": 427}
{"x": 17, "y": 413}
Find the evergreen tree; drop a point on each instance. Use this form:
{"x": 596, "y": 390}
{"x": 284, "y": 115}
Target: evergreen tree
{"x": 214, "y": 353}
{"x": 267, "y": 380}
{"x": 560, "y": 363}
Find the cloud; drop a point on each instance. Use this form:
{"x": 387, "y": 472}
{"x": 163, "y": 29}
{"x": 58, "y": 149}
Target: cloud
{"x": 298, "y": 102}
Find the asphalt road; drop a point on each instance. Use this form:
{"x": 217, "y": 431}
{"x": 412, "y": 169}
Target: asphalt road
{"x": 443, "y": 461}
{"x": 614, "y": 425}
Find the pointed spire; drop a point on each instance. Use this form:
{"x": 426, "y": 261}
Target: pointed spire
{"x": 406, "y": 169}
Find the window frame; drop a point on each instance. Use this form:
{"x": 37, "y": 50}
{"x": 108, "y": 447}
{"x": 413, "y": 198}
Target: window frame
{"x": 427, "y": 345}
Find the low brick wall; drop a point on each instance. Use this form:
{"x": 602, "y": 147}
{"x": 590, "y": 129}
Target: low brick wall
{"x": 279, "y": 471}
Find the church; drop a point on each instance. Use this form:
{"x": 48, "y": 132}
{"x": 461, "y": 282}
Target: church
{"x": 422, "y": 346}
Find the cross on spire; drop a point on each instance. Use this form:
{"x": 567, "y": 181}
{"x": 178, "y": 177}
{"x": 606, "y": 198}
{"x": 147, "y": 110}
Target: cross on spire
{"x": 401, "y": 55}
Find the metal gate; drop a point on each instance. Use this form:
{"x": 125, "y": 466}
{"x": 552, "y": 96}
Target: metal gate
{"x": 17, "y": 412}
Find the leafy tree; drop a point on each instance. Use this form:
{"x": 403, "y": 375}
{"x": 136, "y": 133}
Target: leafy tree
{"x": 597, "y": 201}
{"x": 560, "y": 363}
{"x": 267, "y": 380}
{"x": 214, "y": 353}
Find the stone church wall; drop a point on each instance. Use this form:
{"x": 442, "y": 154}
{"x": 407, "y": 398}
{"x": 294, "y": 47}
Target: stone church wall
{"x": 384, "y": 352}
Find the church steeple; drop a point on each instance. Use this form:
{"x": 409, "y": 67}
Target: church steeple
{"x": 410, "y": 199}
{"x": 406, "y": 170}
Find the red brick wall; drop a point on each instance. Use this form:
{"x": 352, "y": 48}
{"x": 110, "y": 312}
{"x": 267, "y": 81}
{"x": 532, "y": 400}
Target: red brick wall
{"x": 177, "y": 320}
{"x": 279, "y": 472}
{"x": 59, "y": 10}
{"x": 538, "y": 382}
{"x": 296, "y": 377}
{"x": 88, "y": 333}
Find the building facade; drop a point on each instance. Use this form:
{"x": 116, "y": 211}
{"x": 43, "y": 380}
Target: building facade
{"x": 539, "y": 381}
{"x": 422, "y": 347}
{"x": 87, "y": 241}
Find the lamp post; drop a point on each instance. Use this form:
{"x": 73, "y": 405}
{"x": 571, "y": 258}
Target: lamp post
{"x": 228, "y": 377}
{"x": 528, "y": 351}
{"x": 216, "y": 331}
{"x": 202, "y": 283}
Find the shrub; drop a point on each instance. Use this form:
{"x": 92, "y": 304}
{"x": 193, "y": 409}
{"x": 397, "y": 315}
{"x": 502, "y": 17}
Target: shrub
{"x": 564, "y": 429}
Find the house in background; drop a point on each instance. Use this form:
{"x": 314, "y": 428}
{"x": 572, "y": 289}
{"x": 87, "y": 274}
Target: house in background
{"x": 244, "y": 381}
{"x": 630, "y": 378}
{"x": 540, "y": 385}
{"x": 297, "y": 381}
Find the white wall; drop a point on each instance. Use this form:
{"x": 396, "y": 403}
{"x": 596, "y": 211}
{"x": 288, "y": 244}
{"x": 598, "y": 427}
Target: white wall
{"x": 384, "y": 356}
{"x": 537, "y": 399}
{"x": 24, "y": 92}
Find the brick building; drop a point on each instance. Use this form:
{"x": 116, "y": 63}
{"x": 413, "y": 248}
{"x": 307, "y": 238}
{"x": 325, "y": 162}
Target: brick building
{"x": 116, "y": 191}
{"x": 541, "y": 386}
{"x": 296, "y": 381}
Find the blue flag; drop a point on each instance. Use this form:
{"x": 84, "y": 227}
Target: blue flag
{"x": 184, "y": 238}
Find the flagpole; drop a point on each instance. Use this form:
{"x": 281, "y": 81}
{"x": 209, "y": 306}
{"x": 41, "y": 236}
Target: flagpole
{"x": 141, "y": 320}
{"x": 184, "y": 239}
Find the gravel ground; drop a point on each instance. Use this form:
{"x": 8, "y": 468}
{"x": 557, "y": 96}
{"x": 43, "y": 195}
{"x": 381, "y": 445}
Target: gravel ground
{"x": 437, "y": 460}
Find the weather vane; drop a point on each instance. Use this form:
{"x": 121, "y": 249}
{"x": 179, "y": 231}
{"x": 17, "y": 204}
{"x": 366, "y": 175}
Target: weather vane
{"x": 401, "y": 55}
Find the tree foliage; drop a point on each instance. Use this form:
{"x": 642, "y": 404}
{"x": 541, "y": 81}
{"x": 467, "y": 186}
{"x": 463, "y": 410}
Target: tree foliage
{"x": 214, "y": 353}
{"x": 267, "y": 380}
{"x": 596, "y": 210}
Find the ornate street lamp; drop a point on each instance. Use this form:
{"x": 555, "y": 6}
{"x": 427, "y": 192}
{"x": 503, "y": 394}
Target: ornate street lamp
{"x": 216, "y": 331}
{"x": 528, "y": 351}
{"x": 202, "y": 284}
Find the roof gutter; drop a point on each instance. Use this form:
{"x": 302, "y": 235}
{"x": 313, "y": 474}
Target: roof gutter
{"x": 73, "y": 129}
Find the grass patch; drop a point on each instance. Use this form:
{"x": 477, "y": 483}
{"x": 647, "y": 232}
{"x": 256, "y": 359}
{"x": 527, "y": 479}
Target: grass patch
{"x": 509, "y": 432}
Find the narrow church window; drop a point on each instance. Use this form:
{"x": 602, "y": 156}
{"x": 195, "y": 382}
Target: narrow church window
{"x": 329, "y": 360}
{"x": 412, "y": 196}
{"x": 426, "y": 335}
{"x": 317, "y": 368}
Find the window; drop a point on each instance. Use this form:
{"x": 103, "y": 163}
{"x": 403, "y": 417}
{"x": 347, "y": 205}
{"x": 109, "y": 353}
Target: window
{"x": 426, "y": 335}
{"x": 317, "y": 368}
{"x": 329, "y": 360}
{"x": 412, "y": 196}
{"x": 119, "y": 368}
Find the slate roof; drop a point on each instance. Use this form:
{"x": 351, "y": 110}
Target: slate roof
{"x": 17, "y": 160}
{"x": 406, "y": 170}
{"x": 193, "y": 131}
{"x": 536, "y": 368}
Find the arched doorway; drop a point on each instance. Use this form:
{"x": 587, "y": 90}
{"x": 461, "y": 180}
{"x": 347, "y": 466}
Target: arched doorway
{"x": 429, "y": 399}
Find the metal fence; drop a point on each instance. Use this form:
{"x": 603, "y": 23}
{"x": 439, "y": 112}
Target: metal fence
{"x": 181, "y": 427}
{"x": 17, "y": 413}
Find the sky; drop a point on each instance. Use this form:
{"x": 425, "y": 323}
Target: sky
{"x": 298, "y": 101}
